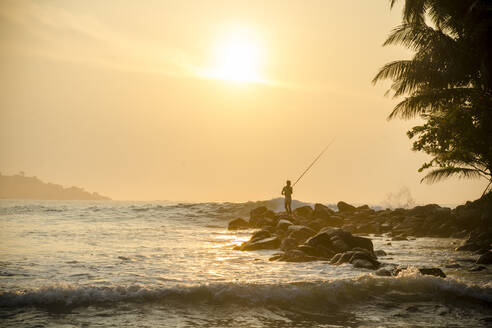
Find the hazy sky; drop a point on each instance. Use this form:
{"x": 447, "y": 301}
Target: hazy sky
{"x": 207, "y": 100}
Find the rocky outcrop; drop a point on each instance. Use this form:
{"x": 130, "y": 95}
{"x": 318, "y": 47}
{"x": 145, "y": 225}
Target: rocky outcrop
{"x": 299, "y": 242}
{"x": 238, "y": 224}
{"x": 323, "y": 234}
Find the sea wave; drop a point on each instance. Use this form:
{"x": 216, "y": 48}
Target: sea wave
{"x": 409, "y": 286}
{"x": 221, "y": 208}
{"x": 211, "y": 209}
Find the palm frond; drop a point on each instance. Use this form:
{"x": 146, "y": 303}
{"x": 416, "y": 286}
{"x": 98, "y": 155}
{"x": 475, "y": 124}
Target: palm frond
{"x": 417, "y": 36}
{"x": 446, "y": 172}
{"x": 431, "y": 100}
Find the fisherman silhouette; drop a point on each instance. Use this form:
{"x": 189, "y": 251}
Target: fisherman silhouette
{"x": 287, "y": 191}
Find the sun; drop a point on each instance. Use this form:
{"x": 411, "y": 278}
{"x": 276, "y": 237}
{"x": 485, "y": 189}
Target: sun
{"x": 237, "y": 58}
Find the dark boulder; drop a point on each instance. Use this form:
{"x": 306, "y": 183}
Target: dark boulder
{"x": 380, "y": 252}
{"x": 261, "y": 222}
{"x": 423, "y": 211}
{"x": 237, "y": 224}
{"x": 296, "y": 256}
{"x": 485, "y": 258}
{"x": 267, "y": 243}
{"x": 300, "y": 233}
{"x": 344, "y": 257}
{"x": 335, "y": 221}
{"x": 432, "y": 272}
{"x": 383, "y": 272}
{"x": 363, "y": 255}
{"x": 344, "y": 207}
{"x": 362, "y": 242}
{"x": 335, "y": 258}
{"x": 261, "y": 234}
{"x": 309, "y": 250}
{"x": 283, "y": 224}
{"x": 261, "y": 217}
{"x": 364, "y": 264}
{"x": 339, "y": 245}
{"x": 322, "y": 212}
{"x": 288, "y": 244}
{"x": 317, "y": 224}
{"x": 304, "y": 211}
{"x": 258, "y": 212}
{"x": 339, "y": 240}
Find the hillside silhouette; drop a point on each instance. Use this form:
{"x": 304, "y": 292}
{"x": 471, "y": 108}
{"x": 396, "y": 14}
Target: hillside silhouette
{"x": 20, "y": 186}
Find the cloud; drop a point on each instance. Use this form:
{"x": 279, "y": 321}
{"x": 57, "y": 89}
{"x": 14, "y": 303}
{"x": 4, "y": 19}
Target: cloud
{"x": 74, "y": 37}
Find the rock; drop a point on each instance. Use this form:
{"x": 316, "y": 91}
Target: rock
{"x": 364, "y": 264}
{"x": 262, "y": 234}
{"x": 359, "y": 253}
{"x": 485, "y": 258}
{"x": 363, "y": 207}
{"x": 324, "y": 237}
{"x": 267, "y": 243}
{"x": 335, "y": 221}
{"x": 344, "y": 207}
{"x": 261, "y": 222}
{"x": 297, "y": 256}
{"x": 344, "y": 257}
{"x": 335, "y": 258}
{"x": 288, "y": 244}
{"x": 300, "y": 233}
{"x": 309, "y": 250}
{"x": 432, "y": 272}
{"x": 322, "y": 212}
{"x": 383, "y": 272}
{"x": 423, "y": 211}
{"x": 283, "y": 224}
{"x": 468, "y": 247}
{"x": 361, "y": 242}
{"x": 380, "y": 252}
{"x": 339, "y": 241}
{"x": 304, "y": 211}
{"x": 338, "y": 245}
{"x": 257, "y": 212}
{"x": 237, "y": 224}
{"x": 317, "y": 224}
{"x": 261, "y": 217}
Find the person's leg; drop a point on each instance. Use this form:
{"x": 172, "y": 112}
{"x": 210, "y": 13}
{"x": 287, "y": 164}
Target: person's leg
{"x": 287, "y": 205}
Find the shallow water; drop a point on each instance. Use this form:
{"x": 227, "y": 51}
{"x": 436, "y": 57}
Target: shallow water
{"x": 147, "y": 264}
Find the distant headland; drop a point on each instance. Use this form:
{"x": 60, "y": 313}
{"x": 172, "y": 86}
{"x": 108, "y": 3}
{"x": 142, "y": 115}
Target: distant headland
{"x": 20, "y": 186}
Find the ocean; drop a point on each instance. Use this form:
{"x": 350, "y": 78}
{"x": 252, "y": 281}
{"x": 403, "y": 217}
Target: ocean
{"x": 149, "y": 264}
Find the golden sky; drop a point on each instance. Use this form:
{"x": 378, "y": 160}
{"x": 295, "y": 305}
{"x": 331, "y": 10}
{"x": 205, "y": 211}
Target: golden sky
{"x": 207, "y": 100}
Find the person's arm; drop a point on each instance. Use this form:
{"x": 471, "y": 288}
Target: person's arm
{"x": 283, "y": 191}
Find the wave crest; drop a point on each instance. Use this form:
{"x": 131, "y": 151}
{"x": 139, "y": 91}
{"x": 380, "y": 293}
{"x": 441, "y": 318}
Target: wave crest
{"x": 408, "y": 286}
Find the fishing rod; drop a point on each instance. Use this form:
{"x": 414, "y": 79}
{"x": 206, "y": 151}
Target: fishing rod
{"x": 315, "y": 160}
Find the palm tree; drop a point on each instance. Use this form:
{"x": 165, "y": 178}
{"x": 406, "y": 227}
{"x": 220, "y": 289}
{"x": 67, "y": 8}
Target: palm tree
{"x": 447, "y": 83}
